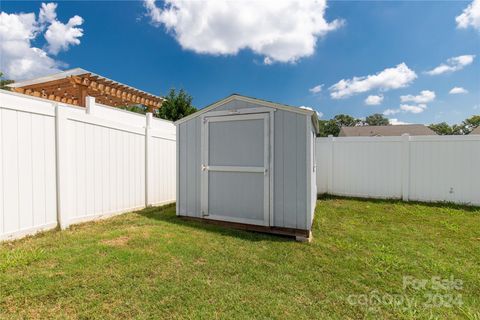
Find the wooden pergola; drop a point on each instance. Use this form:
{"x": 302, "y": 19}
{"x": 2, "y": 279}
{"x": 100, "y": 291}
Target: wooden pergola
{"x": 73, "y": 86}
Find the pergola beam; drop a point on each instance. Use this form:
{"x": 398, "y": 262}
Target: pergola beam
{"x": 74, "y": 89}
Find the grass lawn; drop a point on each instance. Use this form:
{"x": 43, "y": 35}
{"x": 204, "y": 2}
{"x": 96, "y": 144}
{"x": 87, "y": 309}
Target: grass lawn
{"x": 150, "y": 264}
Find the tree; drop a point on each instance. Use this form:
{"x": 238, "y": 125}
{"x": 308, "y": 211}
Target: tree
{"x": 332, "y": 126}
{"x": 138, "y": 108}
{"x": 377, "y": 119}
{"x": 328, "y": 127}
{"x": 345, "y": 120}
{"x": 465, "y": 127}
{"x": 442, "y": 128}
{"x": 4, "y": 82}
{"x": 176, "y": 105}
{"x": 471, "y": 123}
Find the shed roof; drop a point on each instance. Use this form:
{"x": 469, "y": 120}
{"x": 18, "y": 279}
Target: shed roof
{"x": 71, "y": 86}
{"x": 386, "y": 131}
{"x": 262, "y": 102}
{"x": 476, "y": 130}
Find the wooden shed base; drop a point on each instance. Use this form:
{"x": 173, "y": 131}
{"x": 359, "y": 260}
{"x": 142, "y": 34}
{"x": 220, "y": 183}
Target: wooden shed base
{"x": 299, "y": 234}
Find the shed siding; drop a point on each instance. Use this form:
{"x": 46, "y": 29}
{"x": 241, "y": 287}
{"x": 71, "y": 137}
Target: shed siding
{"x": 189, "y": 164}
{"x": 278, "y": 169}
{"x": 290, "y": 183}
{"x": 290, "y": 190}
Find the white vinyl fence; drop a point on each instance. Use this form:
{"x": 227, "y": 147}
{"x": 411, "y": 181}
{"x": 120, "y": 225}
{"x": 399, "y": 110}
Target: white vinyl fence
{"x": 423, "y": 168}
{"x": 61, "y": 164}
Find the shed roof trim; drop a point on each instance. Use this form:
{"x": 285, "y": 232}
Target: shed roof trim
{"x": 250, "y": 100}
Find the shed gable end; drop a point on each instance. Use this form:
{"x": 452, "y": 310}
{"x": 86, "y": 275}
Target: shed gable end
{"x": 237, "y": 104}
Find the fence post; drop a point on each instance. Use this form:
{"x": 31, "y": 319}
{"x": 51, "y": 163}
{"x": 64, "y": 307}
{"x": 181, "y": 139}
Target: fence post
{"x": 405, "y": 167}
{"x": 148, "y": 140}
{"x": 90, "y": 105}
{"x": 330, "y": 165}
{"x": 61, "y": 158}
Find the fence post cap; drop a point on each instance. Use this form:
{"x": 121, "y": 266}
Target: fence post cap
{"x": 149, "y": 117}
{"x": 90, "y": 104}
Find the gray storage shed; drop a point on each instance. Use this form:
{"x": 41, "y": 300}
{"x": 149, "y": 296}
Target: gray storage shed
{"x": 249, "y": 163}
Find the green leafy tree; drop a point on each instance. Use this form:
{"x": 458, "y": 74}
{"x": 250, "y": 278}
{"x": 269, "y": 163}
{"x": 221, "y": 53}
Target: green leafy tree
{"x": 176, "y": 105}
{"x": 458, "y": 129}
{"x": 377, "y": 119}
{"x": 471, "y": 123}
{"x": 139, "y": 108}
{"x": 332, "y": 126}
{"x": 4, "y": 82}
{"x": 345, "y": 120}
{"x": 442, "y": 128}
{"x": 465, "y": 127}
{"x": 328, "y": 127}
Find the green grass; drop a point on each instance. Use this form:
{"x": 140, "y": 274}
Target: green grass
{"x": 151, "y": 264}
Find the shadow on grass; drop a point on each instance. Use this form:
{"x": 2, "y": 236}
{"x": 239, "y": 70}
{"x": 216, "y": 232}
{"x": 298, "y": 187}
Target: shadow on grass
{"x": 167, "y": 214}
{"x": 444, "y": 204}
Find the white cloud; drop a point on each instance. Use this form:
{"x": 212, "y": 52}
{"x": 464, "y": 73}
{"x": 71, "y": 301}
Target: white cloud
{"x": 470, "y": 16}
{"x": 425, "y": 96}
{"x": 396, "y": 122}
{"x": 374, "y": 100}
{"x": 390, "y": 112}
{"x": 413, "y": 108}
{"x": 267, "y": 61}
{"x": 61, "y": 36}
{"x": 19, "y": 59}
{"x": 418, "y": 103}
{"x": 48, "y": 13}
{"x": 452, "y": 65}
{"x": 405, "y": 108}
{"x": 458, "y": 90}
{"x": 316, "y": 89}
{"x": 282, "y": 31}
{"x": 390, "y": 78}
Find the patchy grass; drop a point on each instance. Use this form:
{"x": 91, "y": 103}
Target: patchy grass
{"x": 150, "y": 264}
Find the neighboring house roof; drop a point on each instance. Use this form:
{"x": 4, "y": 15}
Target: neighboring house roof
{"x": 476, "y": 130}
{"x": 386, "y": 131}
{"x": 265, "y": 103}
{"x": 71, "y": 86}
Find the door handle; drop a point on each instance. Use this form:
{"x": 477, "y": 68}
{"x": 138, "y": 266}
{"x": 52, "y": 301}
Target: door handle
{"x": 204, "y": 167}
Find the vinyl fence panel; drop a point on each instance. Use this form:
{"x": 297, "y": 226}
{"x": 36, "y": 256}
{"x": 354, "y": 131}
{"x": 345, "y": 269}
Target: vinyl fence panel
{"x": 27, "y": 166}
{"x": 65, "y": 164}
{"x": 423, "y": 168}
{"x": 103, "y": 183}
{"x": 445, "y": 169}
{"x": 162, "y": 153}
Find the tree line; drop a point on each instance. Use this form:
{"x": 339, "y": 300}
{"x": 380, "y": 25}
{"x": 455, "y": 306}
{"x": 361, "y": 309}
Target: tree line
{"x": 332, "y": 126}
{"x": 178, "y": 104}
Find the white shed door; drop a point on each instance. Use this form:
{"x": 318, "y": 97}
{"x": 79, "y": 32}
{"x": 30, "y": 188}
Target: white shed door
{"x": 235, "y": 168}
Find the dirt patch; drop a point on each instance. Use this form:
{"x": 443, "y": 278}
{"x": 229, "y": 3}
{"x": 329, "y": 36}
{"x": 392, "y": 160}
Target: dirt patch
{"x": 117, "y": 242}
{"x": 200, "y": 262}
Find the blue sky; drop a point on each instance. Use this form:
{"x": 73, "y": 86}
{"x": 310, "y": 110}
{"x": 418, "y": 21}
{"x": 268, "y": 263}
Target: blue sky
{"x": 124, "y": 41}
